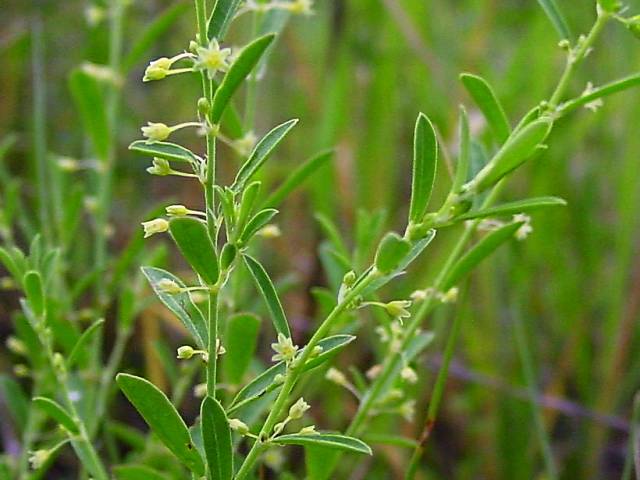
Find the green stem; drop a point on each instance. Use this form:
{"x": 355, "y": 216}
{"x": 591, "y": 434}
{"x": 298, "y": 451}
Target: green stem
{"x": 576, "y": 56}
{"x": 212, "y": 342}
{"x": 293, "y": 374}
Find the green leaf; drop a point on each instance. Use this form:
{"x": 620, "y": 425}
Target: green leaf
{"x": 137, "y": 472}
{"x": 221, "y": 17}
{"x": 511, "y": 208}
{"x": 13, "y": 267}
{"x": 464, "y": 155}
{"x": 258, "y": 221}
{"x": 79, "y": 349}
{"x": 425, "y": 160}
{"x": 15, "y": 401}
{"x": 57, "y": 413}
{"x": 263, "y": 383}
{"x": 216, "y": 437}
{"x": 297, "y": 178}
{"x": 162, "y": 418}
{"x": 241, "y": 341}
{"x": 557, "y": 19}
{"x": 34, "y": 290}
{"x": 180, "y": 304}
{"x": 391, "y": 251}
{"x": 90, "y": 103}
{"x": 520, "y": 146}
{"x": 479, "y": 252}
{"x": 247, "y": 202}
{"x": 151, "y": 33}
{"x": 166, "y": 150}
{"x": 261, "y": 153}
{"x": 194, "y": 242}
{"x": 608, "y": 89}
{"x": 268, "y": 291}
{"x": 246, "y": 60}
{"x": 486, "y": 99}
{"x": 329, "y": 440}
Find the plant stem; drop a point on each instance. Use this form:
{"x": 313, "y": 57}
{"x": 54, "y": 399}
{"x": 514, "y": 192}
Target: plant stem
{"x": 576, "y": 56}
{"x": 212, "y": 317}
{"x": 293, "y": 374}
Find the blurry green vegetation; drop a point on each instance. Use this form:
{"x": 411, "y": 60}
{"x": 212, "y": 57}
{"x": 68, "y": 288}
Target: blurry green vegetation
{"x": 560, "y": 310}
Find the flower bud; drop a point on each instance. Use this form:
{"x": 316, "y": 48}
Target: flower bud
{"x": 238, "y": 426}
{"x": 161, "y": 167}
{"x": 203, "y": 106}
{"x": 336, "y": 376}
{"x": 167, "y": 285}
{"x": 185, "y": 352}
{"x": 37, "y": 458}
{"x": 177, "y": 210}
{"x": 309, "y": 430}
{"x": 157, "y": 225}
{"x": 157, "y": 69}
{"x": 409, "y": 375}
{"x": 297, "y": 409}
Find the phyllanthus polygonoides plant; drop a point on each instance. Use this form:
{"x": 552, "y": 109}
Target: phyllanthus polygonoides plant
{"x": 217, "y": 243}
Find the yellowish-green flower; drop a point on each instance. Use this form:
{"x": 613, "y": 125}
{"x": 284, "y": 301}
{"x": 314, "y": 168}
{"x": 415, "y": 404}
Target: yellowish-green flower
{"x": 297, "y": 409}
{"x": 160, "y": 167}
{"x": 157, "y": 225}
{"x": 156, "y": 132}
{"x": 238, "y": 425}
{"x": 284, "y": 348}
{"x": 212, "y": 58}
{"x": 169, "y": 286}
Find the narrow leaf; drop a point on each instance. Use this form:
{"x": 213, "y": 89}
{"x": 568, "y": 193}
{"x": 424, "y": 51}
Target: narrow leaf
{"x": 329, "y": 440}
{"x": 557, "y": 19}
{"x": 261, "y": 153}
{"x": 297, "y": 178}
{"x": 180, "y": 304}
{"x": 166, "y": 150}
{"x": 268, "y": 291}
{"x": 479, "y": 252}
{"x": 221, "y": 17}
{"x": 57, "y": 413}
{"x": 216, "y": 437}
{"x": 34, "y": 289}
{"x": 162, "y": 417}
{"x": 90, "y": 103}
{"x": 511, "y": 208}
{"x": 195, "y": 244}
{"x": 425, "y": 158}
{"x": 246, "y": 60}
{"x": 241, "y": 341}
{"x": 258, "y": 221}
{"x": 513, "y": 153}
{"x": 464, "y": 155}
{"x": 486, "y": 99}
{"x": 79, "y": 349}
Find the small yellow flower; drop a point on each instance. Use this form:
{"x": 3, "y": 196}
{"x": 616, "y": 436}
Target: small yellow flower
{"x": 157, "y": 225}
{"x": 398, "y": 308}
{"x": 37, "y": 458}
{"x": 301, "y": 7}
{"x": 284, "y": 348}
{"x": 185, "y": 352}
{"x": 297, "y": 409}
{"x": 156, "y": 132}
{"x": 212, "y": 58}
{"x": 336, "y": 376}
{"x": 309, "y": 430}
{"x": 160, "y": 167}
{"x": 408, "y": 374}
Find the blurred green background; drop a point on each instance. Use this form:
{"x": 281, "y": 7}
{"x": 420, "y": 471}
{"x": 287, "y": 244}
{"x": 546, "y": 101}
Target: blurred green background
{"x": 356, "y": 74}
